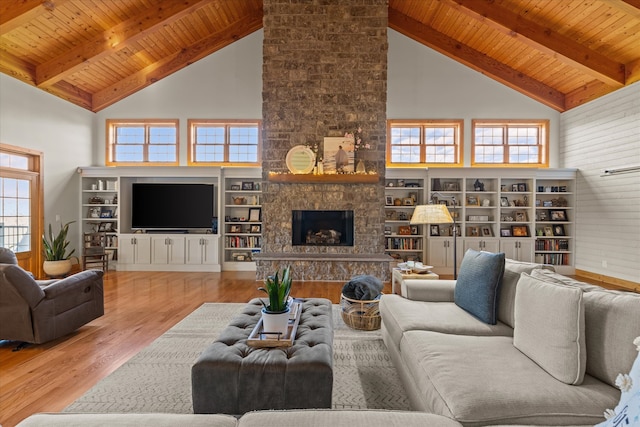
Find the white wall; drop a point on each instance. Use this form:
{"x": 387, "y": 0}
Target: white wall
{"x": 605, "y": 134}
{"x": 224, "y": 85}
{"x": 424, "y": 84}
{"x": 33, "y": 119}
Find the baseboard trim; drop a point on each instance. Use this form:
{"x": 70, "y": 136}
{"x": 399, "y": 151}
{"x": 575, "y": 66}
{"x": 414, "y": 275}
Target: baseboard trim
{"x": 610, "y": 281}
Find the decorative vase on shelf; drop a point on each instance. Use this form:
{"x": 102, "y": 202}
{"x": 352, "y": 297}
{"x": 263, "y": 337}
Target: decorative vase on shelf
{"x": 360, "y": 168}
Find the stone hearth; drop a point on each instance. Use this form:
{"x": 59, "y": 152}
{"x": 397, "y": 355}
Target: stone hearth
{"x": 324, "y": 74}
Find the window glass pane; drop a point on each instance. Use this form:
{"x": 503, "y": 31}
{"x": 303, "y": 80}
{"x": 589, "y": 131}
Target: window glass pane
{"x": 129, "y": 153}
{"x": 489, "y": 135}
{"x": 162, "y": 135}
{"x": 162, "y": 153}
{"x": 489, "y": 154}
{"x": 521, "y": 154}
{"x": 15, "y": 214}
{"x": 130, "y": 135}
{"x": 210, "y": 135}
{"x": 14, "y": 161}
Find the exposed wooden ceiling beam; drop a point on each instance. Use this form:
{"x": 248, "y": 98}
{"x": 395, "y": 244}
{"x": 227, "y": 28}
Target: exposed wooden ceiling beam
{"x": 114, "y": 39}
{"x": 16, "y": 13}
{"x": 586, "y": 93}
{"x": 18, "y": 68}
{"x": 71, "y": 93}
{"x": 476, "y": 60}
{"x": 541, "y": 38}
{"x": 198, "y": 50}
{"x": 633, "y": 71}
{"x": 632, "y": 7}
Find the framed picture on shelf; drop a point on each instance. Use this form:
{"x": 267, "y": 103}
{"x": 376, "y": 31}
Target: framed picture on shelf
{"x": 486, "y": 232}
{"x": 548, "y": 231}
{"x": 414, "y": 229}
{"x": 255, "y": 229}
{"x": 520, "y": 231}
{"x": 558, "y": 230}
{"x": 235, "y": 187}
{"x": 451, "y": 186}
{"x": 504, "y": 202}
{"x": 404, "y": 230}
{"x": 254, "y": 214}
{"x": 514, "y": 187}
{"x": 235, "y": 229}
{"x": 473, "y": 201}
{"x": 522, "y": 187}
{"x": 407, "y": 201}
{"x": 107, "y": 213}
{"x": 505, "y": 232}
{"x": 435, "y": 230}
{"x": 247, "y": 185}
{"x": 521, "y": 216}
{"x": 473, "y": 231}
{"x": 387, "y": 230}
{"x": 388, "y": 200}
{"x": 558, "y": 215}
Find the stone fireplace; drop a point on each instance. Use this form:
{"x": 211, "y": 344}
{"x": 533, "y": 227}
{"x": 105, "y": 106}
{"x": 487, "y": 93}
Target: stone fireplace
{"x": 324, "y": 74}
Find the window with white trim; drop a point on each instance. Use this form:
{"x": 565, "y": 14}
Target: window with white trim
{"x": 510, "y": 142}
{"x": 224, "y": 142}
{"x": 142, "y": 142}
{"x": 424, "y": 142}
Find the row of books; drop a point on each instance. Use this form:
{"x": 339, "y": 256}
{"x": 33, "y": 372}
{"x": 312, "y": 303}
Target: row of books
{"x": 243, "y": 241}
{"x": 553, "y": 259}
{"x": 552, "y": 245}
{"x": 404, "y": 243}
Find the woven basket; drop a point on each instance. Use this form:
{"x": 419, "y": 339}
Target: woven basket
{"x": 364, "y": 315}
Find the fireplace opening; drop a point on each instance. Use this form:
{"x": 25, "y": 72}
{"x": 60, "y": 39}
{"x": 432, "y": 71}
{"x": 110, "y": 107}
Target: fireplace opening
{"x": 322, "y": 228}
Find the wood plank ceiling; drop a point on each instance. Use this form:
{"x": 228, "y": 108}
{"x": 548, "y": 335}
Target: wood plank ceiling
{"x": 94, "y": 53}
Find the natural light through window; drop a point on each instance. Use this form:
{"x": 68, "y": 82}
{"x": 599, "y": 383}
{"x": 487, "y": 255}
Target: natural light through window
{"x": 510, "y": 142}
{"x": 223, "y": 142}
{"x": 15, "y": 214}
{"x": 421, "y": 143}
{"x": 142, "y": 142}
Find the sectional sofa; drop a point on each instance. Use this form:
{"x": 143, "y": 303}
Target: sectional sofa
{"x": 550, "y": 354}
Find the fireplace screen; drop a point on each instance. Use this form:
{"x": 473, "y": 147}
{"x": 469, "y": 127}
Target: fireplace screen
{"x": 322, "y": 228}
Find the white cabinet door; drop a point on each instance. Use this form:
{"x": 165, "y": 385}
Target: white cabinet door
{"x": 201, "y": 249}
{"x": 519, "y": 250}
{"x": 481, "y": 245}
{"x": 136, "y": 249}
{"x": 167, "y": 249}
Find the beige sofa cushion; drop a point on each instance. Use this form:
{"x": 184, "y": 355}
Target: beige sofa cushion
{"x": 550, "y": 327}
{"x": 323, "y": 418}
{"x": 486, "y": 380}
{"x": 612, "y": 321}
{"x": 128, "y": 420}
{"x": 400, "y": 314}
{"x": 512, "y": 271}
{"x": 553, "y": 277}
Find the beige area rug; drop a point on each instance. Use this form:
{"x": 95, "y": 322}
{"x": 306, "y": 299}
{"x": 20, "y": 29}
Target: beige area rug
{"x": 158, "y": 379}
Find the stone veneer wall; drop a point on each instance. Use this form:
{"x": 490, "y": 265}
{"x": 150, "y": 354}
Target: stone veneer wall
{"x": 324, "y": 73}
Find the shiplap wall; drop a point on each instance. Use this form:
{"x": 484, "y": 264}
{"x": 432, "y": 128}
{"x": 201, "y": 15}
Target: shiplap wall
{"x": 605, "y": 134}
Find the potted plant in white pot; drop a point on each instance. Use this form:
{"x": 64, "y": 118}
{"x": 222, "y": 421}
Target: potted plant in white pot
{"x": 275, "y": 314}
{"x": 57, "y": 262}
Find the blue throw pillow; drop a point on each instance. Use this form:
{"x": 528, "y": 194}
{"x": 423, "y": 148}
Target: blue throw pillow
{"x": 478, "y": 285}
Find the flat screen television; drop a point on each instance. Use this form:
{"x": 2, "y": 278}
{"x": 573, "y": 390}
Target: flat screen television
{"x": 168, "y": 206}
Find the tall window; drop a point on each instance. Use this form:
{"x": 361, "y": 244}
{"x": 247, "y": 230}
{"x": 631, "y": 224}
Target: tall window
{"x": 213, "y": 142}
{"x": 140, "y": 142}
{"x": 20, "y": 204}
{"x": 424, "y": 143}
{"x": 510, "y": 142}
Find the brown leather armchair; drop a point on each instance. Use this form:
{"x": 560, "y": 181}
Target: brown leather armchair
{"x": 37, "y": 314}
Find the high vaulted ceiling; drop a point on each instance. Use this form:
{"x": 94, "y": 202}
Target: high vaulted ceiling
{"x": 94, "y": 53}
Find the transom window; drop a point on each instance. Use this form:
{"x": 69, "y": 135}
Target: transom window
{"x": 510, "y": 142}
{"x": 140, "y": 142}
{"x": 213, "y": 142}
{"x": 424, "y": 142}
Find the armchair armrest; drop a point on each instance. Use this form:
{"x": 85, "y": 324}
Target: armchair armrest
{"x": 71, "y": 283}
{"x": 429, "y": 290}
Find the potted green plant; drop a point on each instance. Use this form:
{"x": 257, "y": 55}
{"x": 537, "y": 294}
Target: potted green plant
{"x": 275, "y": 313}
{"x": 57, "y": 262}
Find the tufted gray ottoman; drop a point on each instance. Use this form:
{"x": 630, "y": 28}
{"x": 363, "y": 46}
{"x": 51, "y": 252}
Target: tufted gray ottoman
{"x": 230, "y": 377}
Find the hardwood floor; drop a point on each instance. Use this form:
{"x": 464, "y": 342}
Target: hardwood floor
{"x": 139, "y": 307}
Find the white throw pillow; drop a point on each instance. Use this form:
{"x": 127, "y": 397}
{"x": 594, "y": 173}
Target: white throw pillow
{"x": 549, "y": 327}
{"x": 627, "y": 413}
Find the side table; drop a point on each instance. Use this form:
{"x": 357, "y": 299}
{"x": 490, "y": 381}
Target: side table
{"x": 397, "y": 276}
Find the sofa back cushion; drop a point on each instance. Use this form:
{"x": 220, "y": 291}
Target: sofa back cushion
{"x": 612, "y": 320}
{"x": 552, "y": 276}
{"x": 506, "y": 301}
{"x": 478, "y": 284}
{"x": 550, "y": 327}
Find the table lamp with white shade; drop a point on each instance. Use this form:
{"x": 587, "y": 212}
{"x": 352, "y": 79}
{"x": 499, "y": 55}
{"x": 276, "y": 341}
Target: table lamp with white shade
{"x": 437, "y": 214}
